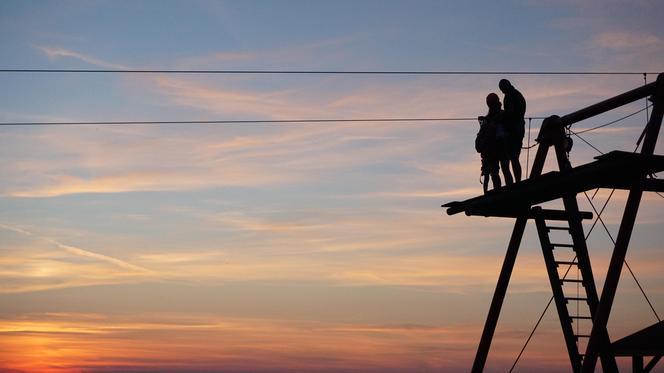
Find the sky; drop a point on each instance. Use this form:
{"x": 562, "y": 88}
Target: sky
{"x": 294, "y": 247}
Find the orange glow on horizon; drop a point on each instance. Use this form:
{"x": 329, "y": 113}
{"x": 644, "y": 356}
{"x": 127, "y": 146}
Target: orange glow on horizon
{"x": 84, "y": 342}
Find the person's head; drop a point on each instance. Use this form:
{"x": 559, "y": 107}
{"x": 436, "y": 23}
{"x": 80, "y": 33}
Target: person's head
{"x": 493, "y": 101}
{"x": 504, "y": 85}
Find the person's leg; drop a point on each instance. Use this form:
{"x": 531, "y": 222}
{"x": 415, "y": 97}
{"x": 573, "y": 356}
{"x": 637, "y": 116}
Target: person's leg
{"x": 484, "y": 170}
{"x": 515, "y": 153}
{"x": 505, "y": 165}
{"x": 494, "y": 170}
{"x": 516, "y": 166}
{"x": 495, "y": 178}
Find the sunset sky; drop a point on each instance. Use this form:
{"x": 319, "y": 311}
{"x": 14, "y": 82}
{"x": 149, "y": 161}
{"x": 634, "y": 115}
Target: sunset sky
{"x": 294, "y": 247}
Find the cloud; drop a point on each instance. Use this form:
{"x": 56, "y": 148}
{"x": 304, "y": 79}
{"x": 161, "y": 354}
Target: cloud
{"x": 386, "y": 173}
{"x": 78, "y": 251}
{"x": 625, "y": 40}
{"x": 57, "y": 52}
{"x": 299, "y": 147}
{"x": 311, "y": 54}
{"x": 96, "y": 342}
{"x": 36, "y": 267}
{"x": 454, "y": 193}
{"x": 157, "y": 180}
{"x": 101, "y": 257}
{"x": 277, "y": 105}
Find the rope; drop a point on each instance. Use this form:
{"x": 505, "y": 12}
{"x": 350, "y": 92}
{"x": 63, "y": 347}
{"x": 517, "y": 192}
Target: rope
{"x": 528, "y": 147}
{"x": 614, "y": 121}
{"x": 604, "y": 225}
{"x": 578, "y": 284}
{"x": 588, "y": 143}
{"x": 645, "y": 82}
{"x": 577, "y": 133}
{"x": 564, "y": 277}
{"x": 627, "y": 265}
{"x": 643, "y": 134}
{"x": 608, "y": 124}
{"x": 638, "y": 143}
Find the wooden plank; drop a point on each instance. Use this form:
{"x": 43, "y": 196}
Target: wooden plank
{"x": 612, "y": 170}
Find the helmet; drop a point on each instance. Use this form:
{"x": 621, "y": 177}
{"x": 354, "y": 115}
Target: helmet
{"x": 492, "y": 100}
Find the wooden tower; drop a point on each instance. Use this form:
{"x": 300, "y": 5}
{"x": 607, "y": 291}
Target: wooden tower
{"x": 615, "y": 170}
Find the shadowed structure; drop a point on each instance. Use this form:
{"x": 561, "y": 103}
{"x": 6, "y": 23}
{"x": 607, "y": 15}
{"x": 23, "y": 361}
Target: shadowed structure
{"x": 615, "y": 170}
{"x": 645, "y": 342}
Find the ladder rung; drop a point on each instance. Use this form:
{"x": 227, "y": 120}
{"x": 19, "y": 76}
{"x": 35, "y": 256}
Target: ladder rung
{"x": 581, "y": 317}
{"x": 572, "y": 280}
{"x": 555, "y": 228}
{"x": 576, "y": 299}
{"x": 565, "y": 262}
{"x": 563, "y": 245}
{"x": 582, "y": 336}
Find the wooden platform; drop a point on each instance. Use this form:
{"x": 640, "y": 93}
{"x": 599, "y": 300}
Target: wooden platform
{"x": 645, "y": 342}
{"x": 619, "y": 170}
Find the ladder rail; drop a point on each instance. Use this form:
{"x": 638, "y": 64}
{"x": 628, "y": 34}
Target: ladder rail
{"x": 583, "y": 258}
{"x": 558, "y": 295}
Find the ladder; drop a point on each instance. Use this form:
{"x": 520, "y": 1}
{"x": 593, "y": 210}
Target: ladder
{"x": 570, "y": 274}
{"x": 552, "y": 134}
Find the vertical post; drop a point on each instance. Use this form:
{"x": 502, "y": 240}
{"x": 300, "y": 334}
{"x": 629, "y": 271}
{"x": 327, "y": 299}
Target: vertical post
{"x": 543, "y": 147}
{"x": 499, "y": 294}
{"x": 624, "y": 234}
{"x": 637, "y": 364}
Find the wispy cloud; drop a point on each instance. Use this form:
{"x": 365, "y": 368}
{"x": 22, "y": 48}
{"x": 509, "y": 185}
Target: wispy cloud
{"x": 94, "y": 342}
{"x": 234, "y": 102}
{"x": 57, "y": 52}
{"x": 101, "y": 257}
{"x": 78, "y": 251}
{"x": 38, "y": 268}
{"x": 626, "y": 40}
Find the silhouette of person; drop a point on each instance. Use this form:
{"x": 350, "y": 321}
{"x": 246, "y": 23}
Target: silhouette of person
{"x": 486, "y": 143}
{"x": 515, "y": 126}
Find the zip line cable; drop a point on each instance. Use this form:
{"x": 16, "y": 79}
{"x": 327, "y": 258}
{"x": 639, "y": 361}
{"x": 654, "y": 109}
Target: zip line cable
{"x": 638, "y": 143}
{"x": 322, "y": 72}
{"x": 577, "y": 133}
{"x": 614, "y": 121}
{"x": 294, "y": 121}
{"x": 258, "y": 121}
{"x": 313, "y": 120}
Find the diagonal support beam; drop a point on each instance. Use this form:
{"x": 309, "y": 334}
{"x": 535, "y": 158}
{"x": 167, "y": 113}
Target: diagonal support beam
{"x": 624, "y": 235}
{"x": 576, "y": 230}
{"x": 652, "y": 363}
{"x": 499, "y": 295}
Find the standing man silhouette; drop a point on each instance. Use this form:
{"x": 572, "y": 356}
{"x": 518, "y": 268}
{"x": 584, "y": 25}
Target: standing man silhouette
{"x": 514, "y": 110}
